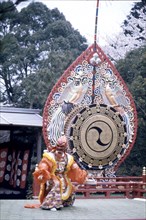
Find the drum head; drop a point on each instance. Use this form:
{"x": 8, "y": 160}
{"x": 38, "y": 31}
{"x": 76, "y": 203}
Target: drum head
{"x": 97, "y": 136}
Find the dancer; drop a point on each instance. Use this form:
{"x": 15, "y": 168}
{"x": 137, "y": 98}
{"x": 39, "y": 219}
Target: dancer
{"x": 54, "y": 173}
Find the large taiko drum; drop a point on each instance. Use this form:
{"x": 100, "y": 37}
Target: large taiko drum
{"x": 97, "y": 136}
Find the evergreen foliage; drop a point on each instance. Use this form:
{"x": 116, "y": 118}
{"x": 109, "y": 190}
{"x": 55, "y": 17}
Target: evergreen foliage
{"x": 37, "y": 45}
{"x": 133, "y": 70}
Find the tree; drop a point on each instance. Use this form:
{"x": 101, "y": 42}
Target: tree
{"x": 10, "y": 6}
{"x": 132, "y": 35}
{"x": 133, "y": 71}
{"x": 36, "y": 44}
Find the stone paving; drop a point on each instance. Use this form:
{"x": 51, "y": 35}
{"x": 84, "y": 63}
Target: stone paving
{"x": 92, "y": 209}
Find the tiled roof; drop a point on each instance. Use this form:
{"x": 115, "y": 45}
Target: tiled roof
{"x": 20, "y": 117}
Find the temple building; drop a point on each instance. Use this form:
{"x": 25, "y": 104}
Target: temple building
{"x": 20, "y": 141}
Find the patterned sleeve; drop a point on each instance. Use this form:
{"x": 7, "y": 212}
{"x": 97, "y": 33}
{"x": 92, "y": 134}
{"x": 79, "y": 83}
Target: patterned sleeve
{"x": 43, "y": 171}
{"x": 76, "y": 174}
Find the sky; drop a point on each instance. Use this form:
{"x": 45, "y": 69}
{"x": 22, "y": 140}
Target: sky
{"x": 81, "y": 14}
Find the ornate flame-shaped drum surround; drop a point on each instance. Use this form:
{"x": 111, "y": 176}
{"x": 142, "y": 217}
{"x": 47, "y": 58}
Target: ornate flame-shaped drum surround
{"x": 101, "y": 126}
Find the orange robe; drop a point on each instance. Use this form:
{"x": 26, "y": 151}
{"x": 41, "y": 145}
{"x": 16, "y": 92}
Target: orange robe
{"x": 47, "y": 169}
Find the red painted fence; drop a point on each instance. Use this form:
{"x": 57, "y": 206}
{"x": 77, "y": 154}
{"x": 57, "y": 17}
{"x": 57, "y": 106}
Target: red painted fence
{"x": 111, "y": 188}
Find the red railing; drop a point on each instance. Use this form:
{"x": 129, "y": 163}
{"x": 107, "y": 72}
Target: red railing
{"x": 121, "y": 178}
{"x": 111, "y": 190}
{"x": 108, "y": 188}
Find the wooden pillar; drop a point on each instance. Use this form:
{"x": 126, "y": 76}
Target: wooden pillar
{"x": 36, "y": 187}
{"x": 144, "y": 174}
{"x": 39, "y": 143}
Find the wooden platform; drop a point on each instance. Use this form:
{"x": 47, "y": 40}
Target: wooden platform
{"x": 93, "y": 209}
